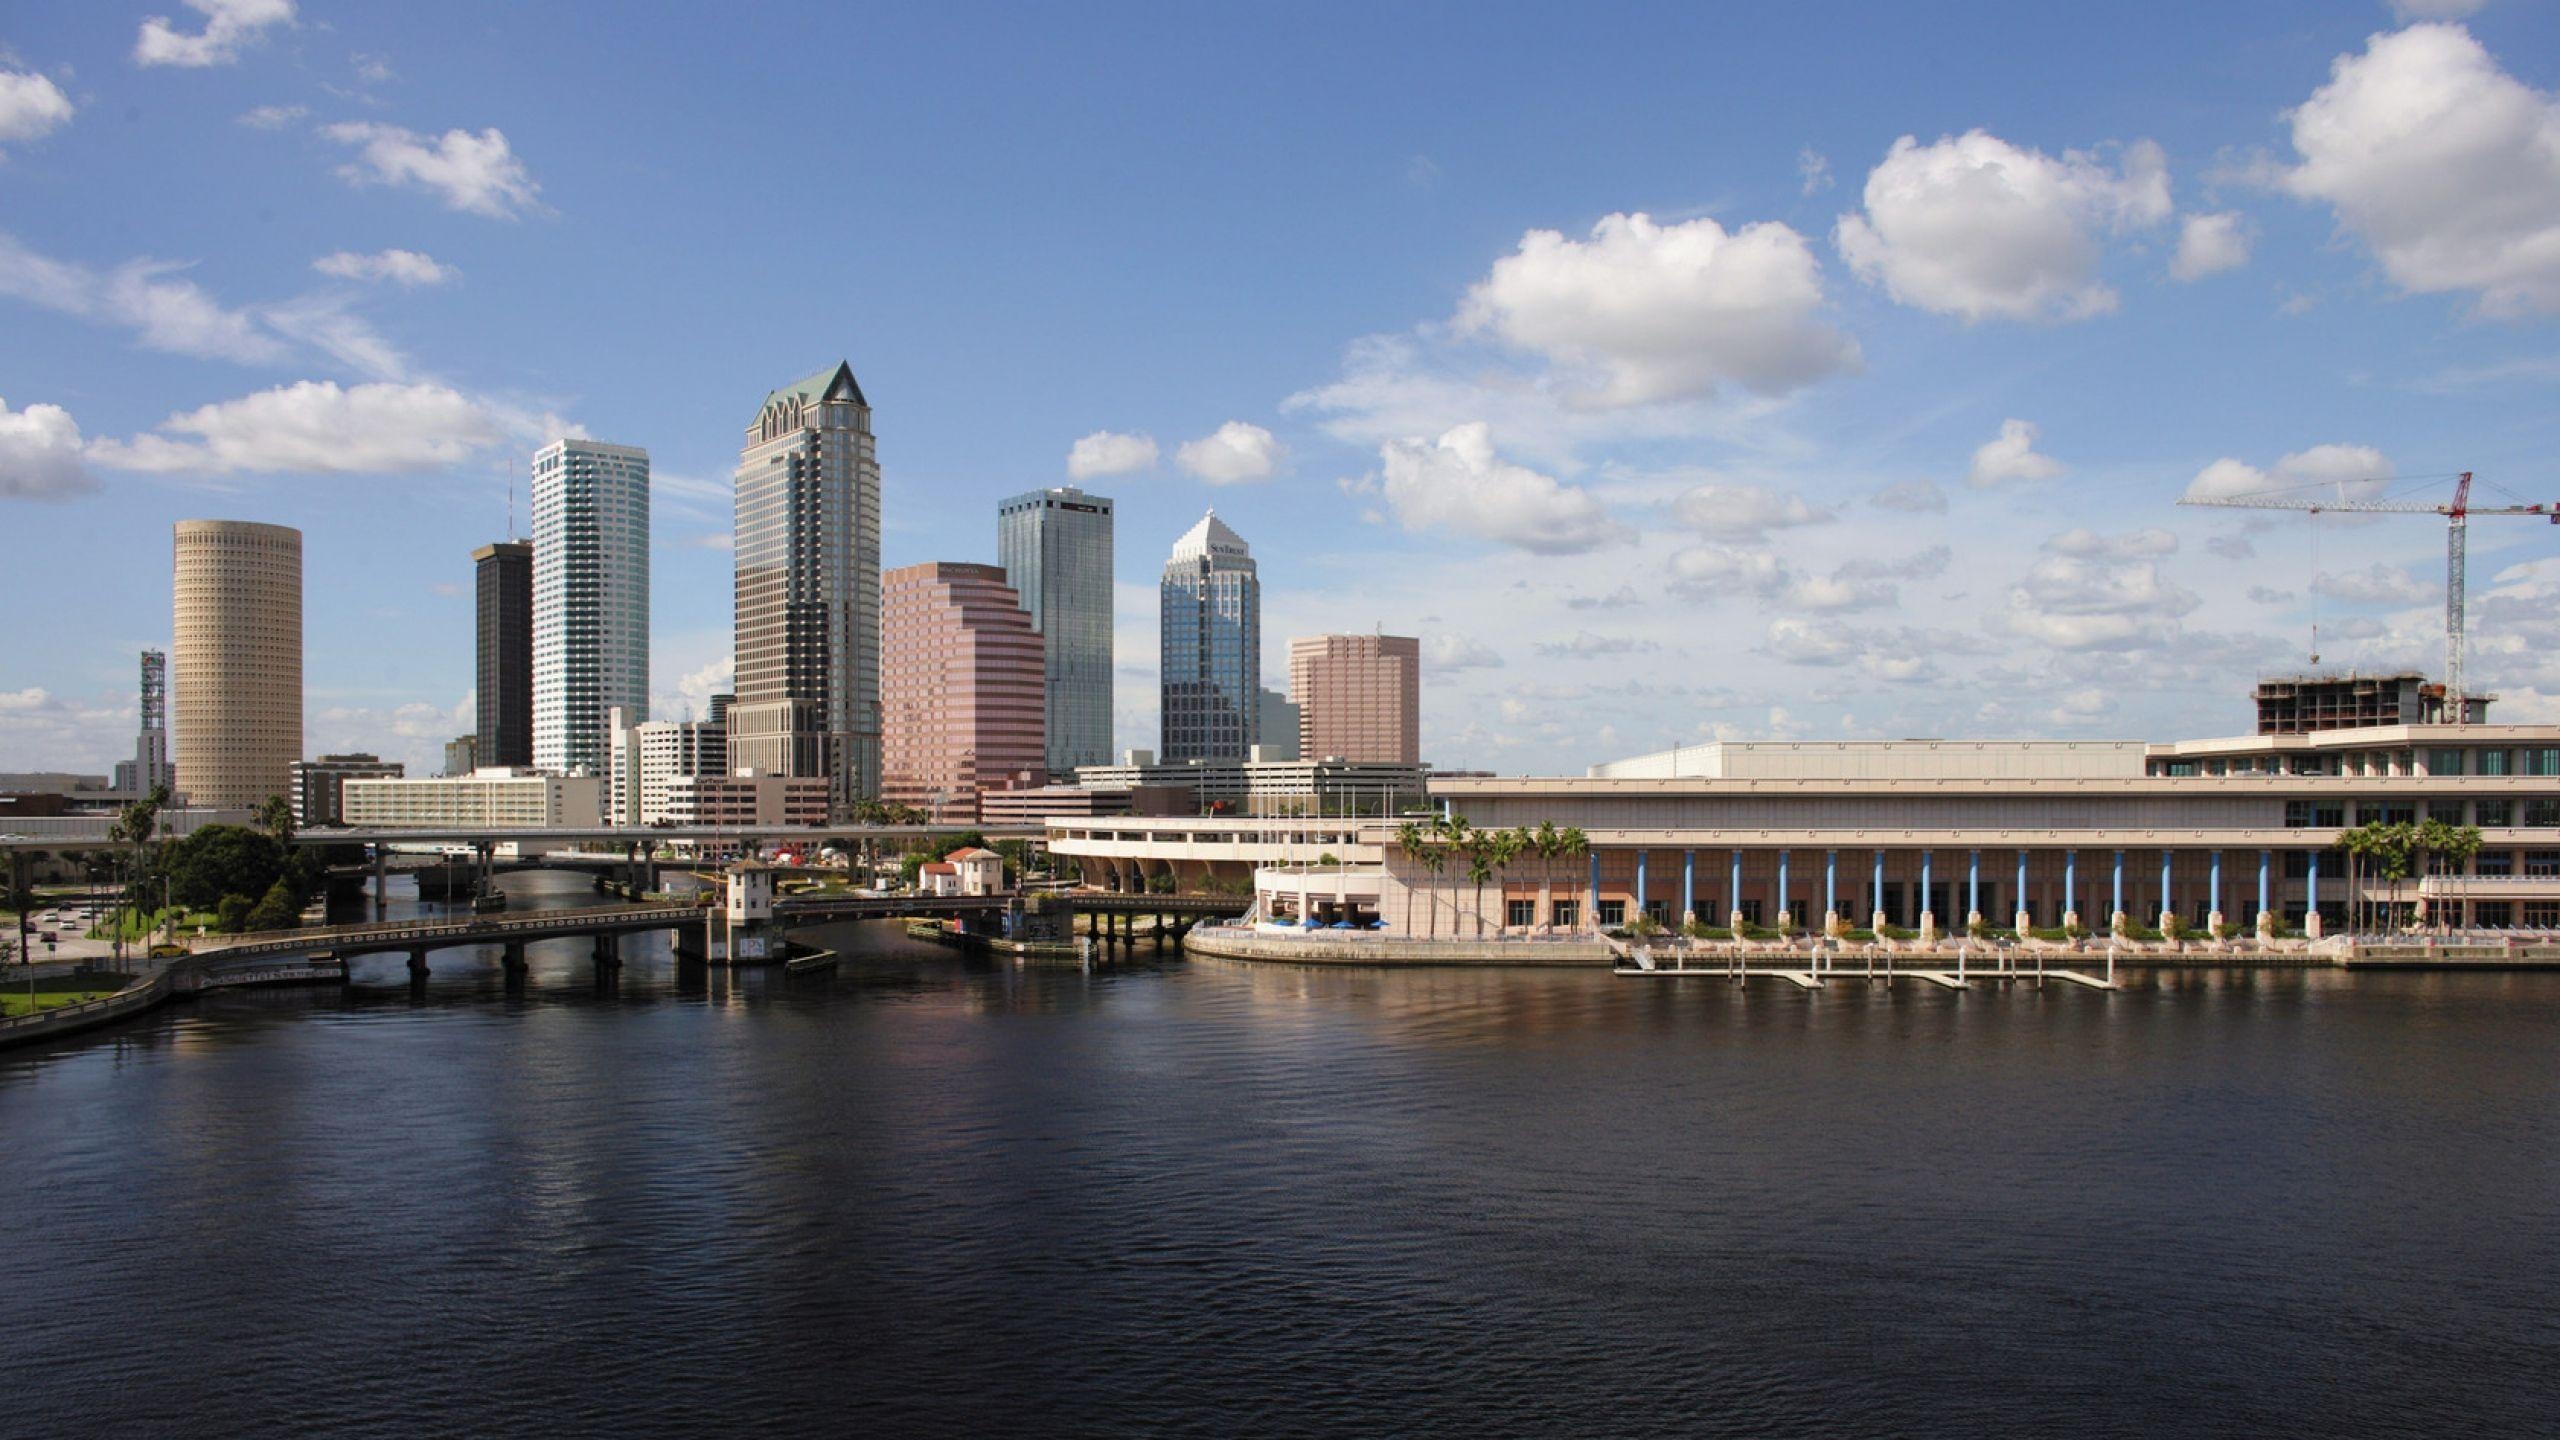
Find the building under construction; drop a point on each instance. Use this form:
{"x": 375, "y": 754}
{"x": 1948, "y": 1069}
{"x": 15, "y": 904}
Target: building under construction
{"x": 2303, "y": 704}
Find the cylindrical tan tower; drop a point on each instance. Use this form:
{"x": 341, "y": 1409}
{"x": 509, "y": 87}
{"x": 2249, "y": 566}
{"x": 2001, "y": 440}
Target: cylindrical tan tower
{"x": 238, "y": 657}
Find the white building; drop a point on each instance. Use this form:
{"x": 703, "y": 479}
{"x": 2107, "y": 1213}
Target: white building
{"x": 319, "y": 785}
{"x": 643, "y": 763}
{"x": 590, "y": 598}
{"x": 499, "y": 798}
{"x": 745, "y": 800}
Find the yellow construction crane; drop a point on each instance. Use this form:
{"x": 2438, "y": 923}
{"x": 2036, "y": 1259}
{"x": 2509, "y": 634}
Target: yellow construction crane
{"x": 2457, "y": 538}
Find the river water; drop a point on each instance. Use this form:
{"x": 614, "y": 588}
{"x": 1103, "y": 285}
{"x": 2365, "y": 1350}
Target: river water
{"x": 936, "y": 1196}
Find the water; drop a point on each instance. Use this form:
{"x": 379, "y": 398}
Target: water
{"x": 935, "y": 1196}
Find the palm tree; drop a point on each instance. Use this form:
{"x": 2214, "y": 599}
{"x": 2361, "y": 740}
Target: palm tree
{"x": 1572, "y": 844}
{"x": 1479, "y": 852}
{"x": 1410, "y": 844}
{"x": 275, "y": 816}
{"x": 1434, "y": 858}
{"x": 2445, "y": 848}
{"x": 1507, "y": 845}
{"x": 1549, "y": 845}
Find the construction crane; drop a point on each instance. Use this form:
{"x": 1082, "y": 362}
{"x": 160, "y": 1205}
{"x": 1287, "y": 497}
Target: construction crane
{"x": 2457, "y": 538}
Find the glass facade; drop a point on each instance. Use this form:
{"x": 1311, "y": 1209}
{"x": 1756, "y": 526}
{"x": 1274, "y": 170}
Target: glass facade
{"x": 590, "y": 598}
{"x": 1055, "y": 547}
{"x": 1210, "y": 646}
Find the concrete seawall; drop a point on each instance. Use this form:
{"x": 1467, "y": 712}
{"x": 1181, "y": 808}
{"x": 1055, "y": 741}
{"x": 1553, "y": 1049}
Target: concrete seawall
{"x": 186, "y": 976}
{"x": 1291, "y": 950}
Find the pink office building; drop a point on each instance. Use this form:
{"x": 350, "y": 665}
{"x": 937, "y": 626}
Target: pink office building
{"x": 962, "y": 686}
{"x": 1359, "y": 697}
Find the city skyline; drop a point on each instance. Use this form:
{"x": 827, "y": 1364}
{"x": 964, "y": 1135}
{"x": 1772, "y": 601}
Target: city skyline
{"x": 1919, "y": 492}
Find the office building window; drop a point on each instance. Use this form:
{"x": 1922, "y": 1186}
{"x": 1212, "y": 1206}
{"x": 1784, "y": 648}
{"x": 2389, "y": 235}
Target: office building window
{"x": 1520, "y": 912}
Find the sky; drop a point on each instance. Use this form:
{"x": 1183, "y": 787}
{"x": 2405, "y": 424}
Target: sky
{"x": 1818, "y": 371}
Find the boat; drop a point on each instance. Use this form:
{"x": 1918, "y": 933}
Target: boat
{"x": 809, "y": 962}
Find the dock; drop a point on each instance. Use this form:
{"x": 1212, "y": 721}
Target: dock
{"x": 1885, "y": 968}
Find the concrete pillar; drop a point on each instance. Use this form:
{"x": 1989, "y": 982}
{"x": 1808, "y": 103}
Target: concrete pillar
{"x": 2311, "y": 899}
{"x": 511, "y": 956}
{"x": 2116, "y": 921}
{"x": 1785, "y": 915}
{"x": 381, "y": 897}
{"x": 2025, "y": 921}
{"x": 608, "y": 952}
{"x": 2168, "y": 906}
{"x": 1928, "y": 906}
{"x": 1733, "y": 897}
{"x": 2266, "y": 893}
{"x": 1830, "y": 891}
{"x": 418, "y": 961}
{"x": 2070, "y": 888}
{"x": 1972, "y": 889}
{"x": 2213, "y": 897}
{"x": 1688, "y": 886}
{"x": 1876, "y": 920}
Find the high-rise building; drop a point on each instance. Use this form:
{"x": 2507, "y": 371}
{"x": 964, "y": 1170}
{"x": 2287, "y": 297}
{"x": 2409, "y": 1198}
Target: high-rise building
{"x": 504, "y": 575}
{"x": 1210, "y": 644}
{"x": 238, "y": 653}
{"x": 645, "y": 761}
{"x": 1279, "y": 726}
{"x": 149, "y": 768}
{"x": 590, "y": 599}
{"x": 961, "y": 688}
{"x": 808, "y": 589}
{"x": 462, "y": 754}
{"x": 1055, "y": 546}
{"x": 319, "y": 785}
{"x": 1359, "y": 696}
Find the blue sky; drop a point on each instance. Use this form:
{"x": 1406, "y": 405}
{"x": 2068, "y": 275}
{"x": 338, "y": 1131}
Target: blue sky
{"x": 1635, "y": 360}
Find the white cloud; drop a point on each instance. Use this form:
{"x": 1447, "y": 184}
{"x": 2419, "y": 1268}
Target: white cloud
{"x": 1915, "y": 497}
{"x": 1813, "y": 170}
{"x": 2151, "y": 542}
{"x": 313, "y": 427}
{"x": 2209, "y": 245}
{"x": 229, "y": 25}
{"x": 400, "y": 267}
{"x": 1977, "y": 227}
{"x": 474, "y": 173}
{"x": 2012, "y": 456}
{"x": 2323, "y": 472}
{"x": 1704, "y": 571}
{"x": 166, "y": 313}
{"x": 31, "y": 106}
{"x": 2376, "y": 584}
{"x": 1235, "y": 453}
{"x": 1843, "y": 589}
{"x": 274, "y": 117}
{"x": 1799, "y": 641}
{"x": 1109, "y": 452}
{"x": 1458, "y": 483}
{"x": 2448, "y": 167}
{"x": 2406, "y": 10}
{"x": 2087, "y": 602}
{"x": 1722, "y": 511}
{"x": 1444, "y": 653}
{"x": 40, "y": 454}
{"x": 1663, "y": 312}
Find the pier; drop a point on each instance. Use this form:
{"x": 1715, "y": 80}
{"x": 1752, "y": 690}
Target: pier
{"x": 1958, "y": 969}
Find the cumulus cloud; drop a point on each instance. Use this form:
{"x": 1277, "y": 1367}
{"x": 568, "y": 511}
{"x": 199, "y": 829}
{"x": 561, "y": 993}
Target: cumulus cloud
{"x": 1654, "y": 312}
{"x": 2444, "y": 164}
{"x": 31, "y": 107}
{"x": 2269, "y": 595}
{"x": 274, "y": 117}
{"x": 2376, "y": 584}
{"x": 477, "y": 174}
{"x": 1458, "y": 483}
{"x": 1586, "y": 645}
{"x": 2328, "y": 472}
{"x": 2095, "y": 602}
{"x": 1914, "y": 497}
{"x": 1705, "y": 571}
{"x": 1445, "y": 653}
{"x": 1722, "y": 511}
{"x": 400, "y": 267}
{"x": 2209, "y": 245}
{"x": 1843, "y": 589}
{"x": 1108, "y": 452}
{"x": 1976, "y": 227}
{"x": 40, "y": 454}
{"x": 228, "y": 25}
{"x": 2011, "y": 456}
{"x": 2150, "y": 542}
{"x": 1236, "y": 453}
{"x": 313, "y": 427}
{"x": 1799, "y": 641}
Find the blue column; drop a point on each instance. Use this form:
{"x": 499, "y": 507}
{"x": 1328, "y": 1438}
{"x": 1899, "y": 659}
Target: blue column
{"x": 1972, "y": 883}
{"x": 2070, "y": 881}
{"x": 1878, "y": 903}
{"x": 1641, "y": 857}
{"x": 1688, "y": 886}
{"x": 2213, "y": 893}
{"x": 2266, "y": 867}
{"x": 1782, "y": 883}
{"x": 2311, "y": 891}
{"x": 2119, "y": 905}
{"x": 1830, "y": 882}
{"x": 1591, "y": 907}
{"x": 2019, "y": 901}
{"x": 1733, "y": 898}
{"x": 2164, "y": 883}
{"x": 1928, "y": 872}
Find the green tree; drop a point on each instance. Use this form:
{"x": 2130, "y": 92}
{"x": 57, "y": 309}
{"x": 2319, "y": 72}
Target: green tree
{"x": 1410, "y": 843}
{"x": 279, "y": 909}
{"x": 232, "y": 915}
{"x": 221, "y": 860}
{"x": 1572, "y": 844}
{"x": 1548, "y": 843}
{"x": 1434, "y": 858}
{"x": 275, "y": 816}
{"x": 20, "y": 896}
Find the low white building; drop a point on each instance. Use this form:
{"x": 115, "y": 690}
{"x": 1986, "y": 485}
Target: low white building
{"x": 501, "y": 797}
{"x": 743, "y": 799}
{"x": 645, "y": 762}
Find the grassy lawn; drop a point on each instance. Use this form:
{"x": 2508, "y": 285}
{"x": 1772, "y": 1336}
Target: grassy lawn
{"x": 142, "y": 926}
{"x": 59, "y": 990}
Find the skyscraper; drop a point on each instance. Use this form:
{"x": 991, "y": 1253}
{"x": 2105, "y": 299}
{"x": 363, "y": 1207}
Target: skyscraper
{"x": 1055, "y": 546}
{"x": 149, "y": 767}
{"x": 1210, "y": 644}
{"x": 961, "y": 688}
{"x": 238, "y": 687}
{"x": 808, "y": 589}
{"x": 590, "y": 599}
{"x": 505, "y": 688}
{"x": 1359, "y": 697}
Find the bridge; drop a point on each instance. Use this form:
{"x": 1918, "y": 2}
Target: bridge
{"x": 607, "y": 924}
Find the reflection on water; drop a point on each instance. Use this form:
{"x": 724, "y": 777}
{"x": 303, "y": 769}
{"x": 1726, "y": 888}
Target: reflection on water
{"x": 926, "y": 1194}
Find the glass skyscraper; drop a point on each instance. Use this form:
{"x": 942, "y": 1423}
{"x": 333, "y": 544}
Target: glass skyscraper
{"x": 1055, "y": 546}
{"x": 808, "y": 589}
{"x": 590, "y": 598}
{"x": 1210, "y": 645}
{"x": 505, "y": 694}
